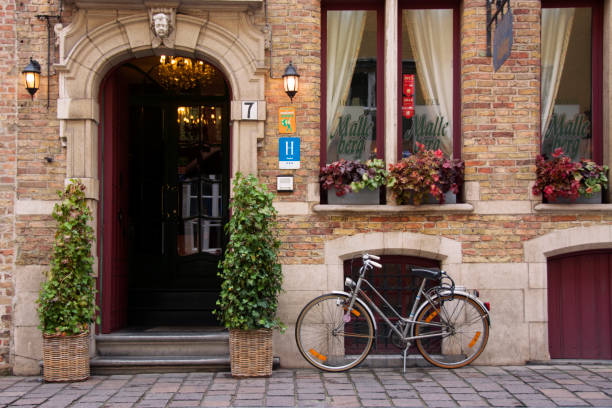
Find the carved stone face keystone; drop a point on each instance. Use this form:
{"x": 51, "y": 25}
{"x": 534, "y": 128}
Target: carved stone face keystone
{"x": 161, "y": 24}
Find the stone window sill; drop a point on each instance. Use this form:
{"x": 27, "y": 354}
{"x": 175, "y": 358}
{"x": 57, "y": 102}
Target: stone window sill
{"x": 544, "y": 208}
{"x": 392, "y": 209}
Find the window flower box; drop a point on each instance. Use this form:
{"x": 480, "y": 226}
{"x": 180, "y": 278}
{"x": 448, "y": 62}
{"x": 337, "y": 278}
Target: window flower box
{"x": 426, "y": 177}
{"x": 365, "y": 197}
{"x": 350, "y": 182}
{"x": 562, "y": 180}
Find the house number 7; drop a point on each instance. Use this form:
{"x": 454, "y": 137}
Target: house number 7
{"x": 249, "y": 110}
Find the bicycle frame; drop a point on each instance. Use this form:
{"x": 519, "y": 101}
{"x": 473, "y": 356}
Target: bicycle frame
{"x": 357, "y": 292}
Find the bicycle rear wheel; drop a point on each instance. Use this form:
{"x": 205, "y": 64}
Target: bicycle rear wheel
{"x": 329, "y": 337}
{"x": 457, "y": 331}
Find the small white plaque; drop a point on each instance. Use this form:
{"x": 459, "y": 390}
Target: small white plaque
{"x": 249, "y": 110}
{"x": 289, "y": 165}
{"x": 284, "y": 183}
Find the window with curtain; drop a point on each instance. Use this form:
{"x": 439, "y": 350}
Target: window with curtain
{"x": 427, "y": 81}
{"x": 351, "y": 85}
{"x": 570, "y": 80}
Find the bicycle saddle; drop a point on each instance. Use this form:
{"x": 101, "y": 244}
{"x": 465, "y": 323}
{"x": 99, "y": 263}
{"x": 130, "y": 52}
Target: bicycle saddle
{"x": 427, "y": 273}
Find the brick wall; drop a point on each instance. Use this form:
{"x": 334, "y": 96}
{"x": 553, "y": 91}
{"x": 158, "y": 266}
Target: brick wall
{"x": 9, "y": 74}
{"x": 500, "y": 127}
{"x": 500, "y": 110}
{"x": 29, "y": 132}
{"x": 38, "y": 126}
{"x": 296, "y": 37}
{"x": 484, "y": 238}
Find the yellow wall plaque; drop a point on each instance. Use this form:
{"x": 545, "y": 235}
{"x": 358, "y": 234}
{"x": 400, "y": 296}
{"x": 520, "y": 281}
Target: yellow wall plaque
{"x": 286, "y": 120}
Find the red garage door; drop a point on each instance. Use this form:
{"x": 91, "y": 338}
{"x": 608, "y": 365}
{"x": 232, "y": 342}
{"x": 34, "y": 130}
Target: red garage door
{"x": 580, "y": 305}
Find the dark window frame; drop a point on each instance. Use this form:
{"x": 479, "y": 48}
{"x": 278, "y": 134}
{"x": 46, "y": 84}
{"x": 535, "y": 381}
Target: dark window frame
{"x": 434, "y": 4}
{"x": 369, "y": 5}
{"x": 597, "y": 24}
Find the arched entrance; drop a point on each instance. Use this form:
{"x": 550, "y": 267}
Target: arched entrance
{"x": 164, "y": 159}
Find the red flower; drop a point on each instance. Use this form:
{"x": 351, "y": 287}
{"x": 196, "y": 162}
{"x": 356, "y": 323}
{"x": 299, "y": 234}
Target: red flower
{"x": 548, "y": 190}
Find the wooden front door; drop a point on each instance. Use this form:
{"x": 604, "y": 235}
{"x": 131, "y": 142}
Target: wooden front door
{"x": 179, "y": 164}
{"x": 113, "y": 213}
{"x": 580, "y": 305}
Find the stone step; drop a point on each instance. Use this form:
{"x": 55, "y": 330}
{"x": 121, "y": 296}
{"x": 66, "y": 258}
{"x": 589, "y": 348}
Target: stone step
{"x": 105, "y": 365}
{"x": 163, "y": 343}
{"x": 170, "y": 364}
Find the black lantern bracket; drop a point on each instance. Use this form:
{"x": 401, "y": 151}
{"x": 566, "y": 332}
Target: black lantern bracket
{"x": 492, "y": 18}
{"x": 48, "y": 19}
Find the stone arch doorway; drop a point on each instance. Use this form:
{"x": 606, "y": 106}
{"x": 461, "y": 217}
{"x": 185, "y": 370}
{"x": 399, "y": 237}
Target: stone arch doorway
{"x": 164, "y": 161}
{"x": 98, "y": 40}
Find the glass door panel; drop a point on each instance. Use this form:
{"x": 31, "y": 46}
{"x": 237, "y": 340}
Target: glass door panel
{"x": 199, "y": 178}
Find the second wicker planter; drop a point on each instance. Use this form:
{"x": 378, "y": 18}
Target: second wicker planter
{"x": 66, "y": 358}
{"x": 251, "y": 352}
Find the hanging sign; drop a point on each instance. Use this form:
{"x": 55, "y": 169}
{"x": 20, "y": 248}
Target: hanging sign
{"x": 502, "y": 42}
{"x": 408, "y": 98}
{"x": 286, "y": 120}
{"x": 408, "y": 84}
{"x": 289, "y": 153}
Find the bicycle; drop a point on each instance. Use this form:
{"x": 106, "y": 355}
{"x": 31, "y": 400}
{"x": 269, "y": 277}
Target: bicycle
{"x": 336, "y": 331}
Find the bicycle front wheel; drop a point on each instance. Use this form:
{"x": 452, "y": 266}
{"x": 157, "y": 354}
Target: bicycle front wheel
{"x": 331, "y": 338}
{"x": 451, "y": 332}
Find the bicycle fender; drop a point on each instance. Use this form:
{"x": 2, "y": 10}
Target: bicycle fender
{"x": 457, "y": 292}
{"x": 362, "y": 304}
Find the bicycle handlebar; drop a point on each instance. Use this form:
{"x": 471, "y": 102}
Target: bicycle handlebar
{"x": 376, "y": 264}
{"x": 368, "y": 260}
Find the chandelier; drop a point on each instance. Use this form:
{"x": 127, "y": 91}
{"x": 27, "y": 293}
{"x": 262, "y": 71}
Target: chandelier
{"x": 183, "y": 74}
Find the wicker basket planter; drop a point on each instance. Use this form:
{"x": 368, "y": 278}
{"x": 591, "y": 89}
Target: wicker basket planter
{"x": 251, "y": 352}
{"x": 66, "y": 358}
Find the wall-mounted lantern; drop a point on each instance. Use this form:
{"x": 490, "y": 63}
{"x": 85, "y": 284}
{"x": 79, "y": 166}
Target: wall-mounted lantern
{"x": 31, "y": 76}
{"x": 291, "y": 80}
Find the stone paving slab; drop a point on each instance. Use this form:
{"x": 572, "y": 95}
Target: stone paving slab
{"x": 475, "y": 386}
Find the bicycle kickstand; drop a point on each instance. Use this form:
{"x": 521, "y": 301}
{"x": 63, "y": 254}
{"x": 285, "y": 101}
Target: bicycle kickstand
{"x": 405, "y": 355}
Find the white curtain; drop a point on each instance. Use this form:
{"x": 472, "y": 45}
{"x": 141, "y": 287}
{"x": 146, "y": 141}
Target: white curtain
{"x": 431, "y": 36}
{"x": 344, "y": 32}
{"x": 556, "y": 29}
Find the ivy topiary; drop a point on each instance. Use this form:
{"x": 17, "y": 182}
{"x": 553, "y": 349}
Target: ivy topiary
{"x": 66, "y": 299}
{"x": 250, "y": 273}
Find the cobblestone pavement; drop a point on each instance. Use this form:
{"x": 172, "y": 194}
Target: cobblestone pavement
{"x": 475, "y": 386}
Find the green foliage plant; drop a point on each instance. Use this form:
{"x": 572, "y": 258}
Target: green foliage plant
{"x": 345, "y": 176}
{"x": 66, "y": 302}
{"x": 376, "y": 176}
{"x": 426, "y": 172}
{"x": 251, "y": 276}
{"x": 592, "y": 176}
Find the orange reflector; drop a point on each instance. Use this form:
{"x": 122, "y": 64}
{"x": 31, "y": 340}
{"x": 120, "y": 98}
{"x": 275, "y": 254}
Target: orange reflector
{"x": 317, "y": 355}
{"x": 431, "y": 316}
{"x": 475, "y": 339}
{"x": 355, "y": 312}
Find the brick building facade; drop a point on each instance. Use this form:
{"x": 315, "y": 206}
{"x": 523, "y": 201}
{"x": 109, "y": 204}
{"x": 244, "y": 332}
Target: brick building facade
{"x": 499, "y": 238}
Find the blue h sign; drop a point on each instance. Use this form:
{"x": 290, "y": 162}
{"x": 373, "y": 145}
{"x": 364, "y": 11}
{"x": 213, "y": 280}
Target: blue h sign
{"x": 289, "y": 152}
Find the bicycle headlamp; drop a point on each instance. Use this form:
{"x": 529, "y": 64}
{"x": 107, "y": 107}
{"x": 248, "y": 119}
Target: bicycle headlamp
{"x": 349, "y": 282}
